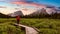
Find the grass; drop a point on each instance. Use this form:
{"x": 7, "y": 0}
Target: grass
{"x": 45, "y": 25}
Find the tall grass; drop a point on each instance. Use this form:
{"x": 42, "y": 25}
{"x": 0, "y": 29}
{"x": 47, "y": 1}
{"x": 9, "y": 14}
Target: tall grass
{"x": 45, "y": 25}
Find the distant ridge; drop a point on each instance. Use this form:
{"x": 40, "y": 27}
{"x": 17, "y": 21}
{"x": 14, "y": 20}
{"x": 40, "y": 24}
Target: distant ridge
{"x": 16, "y": 14}
{"x": 3, "y": 16}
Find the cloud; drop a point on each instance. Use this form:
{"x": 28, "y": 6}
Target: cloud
{"x": 25, "y": 9}
{"x": 2, "y": 0}
{"x": 3, "y": 7}
{"x": 12, "y": 0}
{"x": 25, "y": 2}
{"x": 28, "y": 1}
{"x": 15, "y": 0}
{"x": 29, "y": 4}
{"x": 18, "y": 2}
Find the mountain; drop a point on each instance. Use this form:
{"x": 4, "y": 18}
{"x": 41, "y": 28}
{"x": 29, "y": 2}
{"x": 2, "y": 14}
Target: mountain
{"x": 16, "y": 14}
{"x": 27, "y": 11}
{"x": 43, "y": 11}
{"x": 38, "y": 13}
{"x": 3, "y": 16}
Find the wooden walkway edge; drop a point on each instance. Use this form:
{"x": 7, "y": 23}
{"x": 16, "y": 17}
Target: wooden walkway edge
{"x": 29, "y": 30}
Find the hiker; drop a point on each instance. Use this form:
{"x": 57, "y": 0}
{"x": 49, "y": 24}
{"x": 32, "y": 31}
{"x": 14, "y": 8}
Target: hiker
{"x": 18, "y": 19}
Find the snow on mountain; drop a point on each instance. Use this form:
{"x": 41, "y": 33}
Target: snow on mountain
{"x": 28, "y": 11}
{"x": 16, "y": 13}
{"x": 50, "y": 10}
{"x": 39, "y": 12}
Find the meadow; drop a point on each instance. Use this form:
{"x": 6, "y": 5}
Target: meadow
{"x": 44, "y": 25}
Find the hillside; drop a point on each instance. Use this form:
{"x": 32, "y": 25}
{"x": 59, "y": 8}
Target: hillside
{"x": 3, "y": 16}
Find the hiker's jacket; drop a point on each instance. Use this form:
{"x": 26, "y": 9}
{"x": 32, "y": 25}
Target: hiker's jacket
{"x": 18, "y": 18}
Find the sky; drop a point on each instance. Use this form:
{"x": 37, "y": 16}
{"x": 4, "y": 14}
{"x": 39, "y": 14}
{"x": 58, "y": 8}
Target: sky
{"x": 47, "y": 2}
{"x": 9, "y": 6}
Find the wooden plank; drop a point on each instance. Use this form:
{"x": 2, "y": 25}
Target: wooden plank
{"x": 29, "y": 30}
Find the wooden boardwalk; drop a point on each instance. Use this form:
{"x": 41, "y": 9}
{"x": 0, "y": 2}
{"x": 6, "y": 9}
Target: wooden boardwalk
{"x": 29, "y": 30}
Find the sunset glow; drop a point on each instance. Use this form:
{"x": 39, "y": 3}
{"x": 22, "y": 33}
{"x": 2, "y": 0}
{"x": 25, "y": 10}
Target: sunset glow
{"x": 10, "y": 6}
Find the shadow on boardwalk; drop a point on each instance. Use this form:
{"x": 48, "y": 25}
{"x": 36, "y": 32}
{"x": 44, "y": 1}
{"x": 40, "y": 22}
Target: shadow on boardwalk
{"x": 28, "y": 29}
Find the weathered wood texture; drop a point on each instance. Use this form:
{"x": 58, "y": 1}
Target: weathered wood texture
{"x": 29, "y": 30}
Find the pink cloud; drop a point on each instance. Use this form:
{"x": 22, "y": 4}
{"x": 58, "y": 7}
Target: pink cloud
{"x": 3, "y": 7}
{"x": 18, "y": 2}
{"x": 30, "y": 4}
